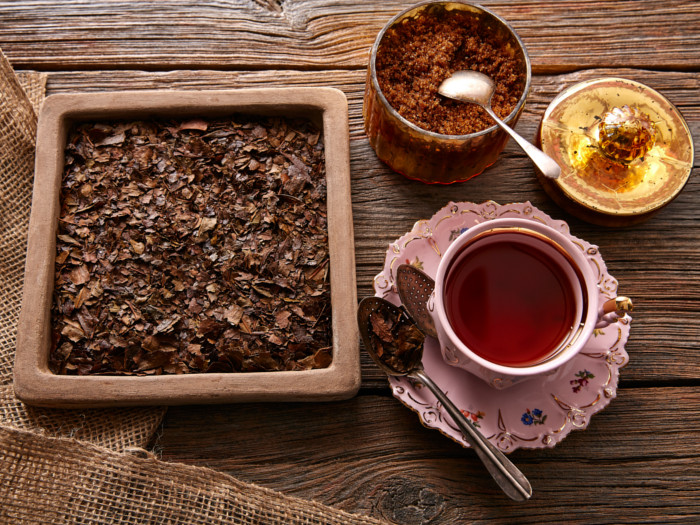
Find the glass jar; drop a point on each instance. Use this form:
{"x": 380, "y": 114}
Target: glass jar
{"x": 433, "y": 157}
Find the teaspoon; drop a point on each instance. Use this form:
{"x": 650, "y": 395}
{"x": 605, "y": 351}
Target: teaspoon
{"x": 477, "y": 88}
{"x": 381, "y": 321}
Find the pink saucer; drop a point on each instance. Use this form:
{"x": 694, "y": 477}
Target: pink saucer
{"x": 539, "y": 412}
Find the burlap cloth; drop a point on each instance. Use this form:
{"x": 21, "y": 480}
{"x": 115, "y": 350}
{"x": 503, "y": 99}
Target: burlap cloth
{"x": 91, "y": 466}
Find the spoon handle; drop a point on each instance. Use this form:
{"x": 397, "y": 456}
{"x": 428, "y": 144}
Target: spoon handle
{"x": 544, "y": 162}
{"x": 507, "y": 475}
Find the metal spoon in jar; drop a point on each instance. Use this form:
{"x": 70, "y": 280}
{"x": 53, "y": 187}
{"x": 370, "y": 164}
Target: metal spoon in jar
{"x": 477, "y": 88}
{"x": 396, "y": 345}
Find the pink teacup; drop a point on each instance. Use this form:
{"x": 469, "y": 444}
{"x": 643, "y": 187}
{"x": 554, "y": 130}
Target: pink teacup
{"x": 515, "y": 298}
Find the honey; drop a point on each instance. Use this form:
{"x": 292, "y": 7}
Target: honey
{"x": 624, "y": 149}
{"x": 626, "y": 134}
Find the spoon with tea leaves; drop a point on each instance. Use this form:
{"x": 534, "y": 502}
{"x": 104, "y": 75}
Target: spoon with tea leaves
{"x": 477, "y": 88}
{"x": 395, "y": 344}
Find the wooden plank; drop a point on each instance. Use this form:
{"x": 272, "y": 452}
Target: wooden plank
{"x": 652, "y": 261}
{"x": 629, "y": 465}
{"x": 314, "y": 34}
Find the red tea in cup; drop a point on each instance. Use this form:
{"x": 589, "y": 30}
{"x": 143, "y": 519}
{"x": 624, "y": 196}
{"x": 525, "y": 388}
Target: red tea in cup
{"x": 515, "y": 298}
{"x": 511, "y": 299}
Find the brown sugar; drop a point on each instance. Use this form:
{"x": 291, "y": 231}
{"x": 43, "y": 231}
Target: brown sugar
{"x": 417, "y": 54}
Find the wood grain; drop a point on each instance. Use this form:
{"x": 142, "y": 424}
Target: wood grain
{"x": 399, "y": 470}
{"x": 327, "y": 34}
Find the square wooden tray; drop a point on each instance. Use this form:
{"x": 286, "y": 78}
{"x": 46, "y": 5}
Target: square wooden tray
{"x": 35, "y": 384}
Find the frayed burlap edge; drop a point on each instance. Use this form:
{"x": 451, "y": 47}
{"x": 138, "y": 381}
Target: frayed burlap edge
{"x": 55, "y": 480}
{"x": 17, "y": 137}
{"x": 116, "y": 428}
{"x": 119, "y": 429}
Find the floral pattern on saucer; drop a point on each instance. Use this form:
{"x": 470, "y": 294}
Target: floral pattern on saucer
{"x": 536, "y": 413}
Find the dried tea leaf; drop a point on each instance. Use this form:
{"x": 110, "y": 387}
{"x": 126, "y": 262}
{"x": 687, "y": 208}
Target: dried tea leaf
{"x": 382, "y": 326}
{"x": 79, "y": 275}
{"x": 137, "y": 247}
{"x": 82, "y": 296}
{"x": 233, "y": 314}
{"x": 320, "y": 359}
{"x": 197, "y": 124}
{"x": 111, "y": 140}
{"x": 282, "y": 318}
{"x": 275, "y": 339}
{"x": 167, "y": 324}
{"x": 207, "y": 224}
{"x": 397, "y": 343}
{"x": 73, "y": 331}
{"x": 68, "y": 239}
{"x": 195, "y": 246}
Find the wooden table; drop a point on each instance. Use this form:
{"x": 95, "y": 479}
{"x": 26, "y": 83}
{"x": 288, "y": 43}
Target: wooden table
{"x": 639, "y": 459}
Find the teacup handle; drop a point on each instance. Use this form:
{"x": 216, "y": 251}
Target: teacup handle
{"x": 612, "y": 309}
